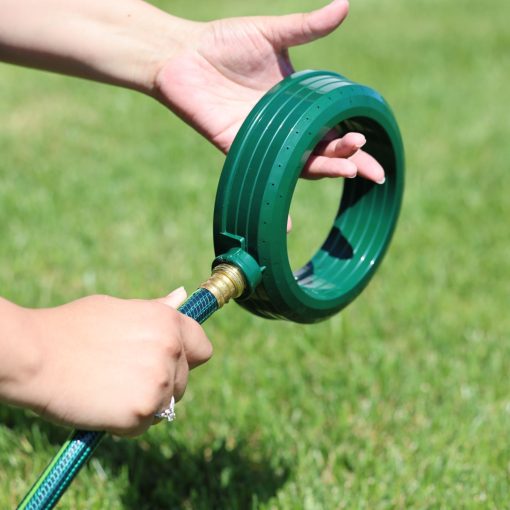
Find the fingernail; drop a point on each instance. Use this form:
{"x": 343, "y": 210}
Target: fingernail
{"x": 178, "y": 290}
{"x": 361, "y": 143}
{"x": 381, "y": 181}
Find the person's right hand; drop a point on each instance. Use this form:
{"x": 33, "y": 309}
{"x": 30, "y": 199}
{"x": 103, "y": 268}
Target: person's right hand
{"x": 111, "y": 364}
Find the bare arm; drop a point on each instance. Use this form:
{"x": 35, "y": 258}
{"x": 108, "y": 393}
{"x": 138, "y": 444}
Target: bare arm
{"x": 121, "y": 42}
{"x": 211, "y": 74}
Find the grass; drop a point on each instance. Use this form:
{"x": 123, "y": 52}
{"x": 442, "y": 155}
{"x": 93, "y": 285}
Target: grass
{"x": 403, "y": 400}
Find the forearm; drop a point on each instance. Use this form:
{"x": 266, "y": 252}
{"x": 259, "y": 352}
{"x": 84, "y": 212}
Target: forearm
{"x": 19, "y": 358}
{"x": 121, "y": 42}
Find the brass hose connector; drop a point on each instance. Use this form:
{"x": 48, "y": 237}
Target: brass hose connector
{"x": 226, "y": 282}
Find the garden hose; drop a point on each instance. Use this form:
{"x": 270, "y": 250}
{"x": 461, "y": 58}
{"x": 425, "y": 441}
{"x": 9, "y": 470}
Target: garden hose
{"x": 226, "y": 282}
{"x": 252, "y": 203}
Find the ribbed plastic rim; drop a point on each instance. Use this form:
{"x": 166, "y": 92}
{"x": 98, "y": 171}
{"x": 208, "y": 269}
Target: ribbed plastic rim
{"x": 259, "y": 178}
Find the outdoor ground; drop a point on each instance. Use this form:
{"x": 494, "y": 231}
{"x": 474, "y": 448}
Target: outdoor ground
{"x": 400, "y": 402}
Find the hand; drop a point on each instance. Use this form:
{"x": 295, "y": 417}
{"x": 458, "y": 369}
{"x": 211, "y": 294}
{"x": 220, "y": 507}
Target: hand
{"x": 227, "y": 65}
{"x": 211, "y": 74}
{"x": 110, "y": 364}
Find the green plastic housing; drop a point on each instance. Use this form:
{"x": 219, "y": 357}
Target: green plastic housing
{"x": 258, "y": 181}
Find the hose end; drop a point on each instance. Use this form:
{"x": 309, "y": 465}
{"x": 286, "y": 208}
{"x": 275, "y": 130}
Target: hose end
{"x": 226, "y": 282}
{"x": 248, "y": 267}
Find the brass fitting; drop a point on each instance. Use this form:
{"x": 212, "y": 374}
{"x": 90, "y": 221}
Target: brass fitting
{"x": 226, "y": 282}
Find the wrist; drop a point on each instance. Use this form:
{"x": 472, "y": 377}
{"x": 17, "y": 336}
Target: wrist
{"x": 20, "y": 356}
{"x": 151, "y": 38}
{"x": 170, "y": 38}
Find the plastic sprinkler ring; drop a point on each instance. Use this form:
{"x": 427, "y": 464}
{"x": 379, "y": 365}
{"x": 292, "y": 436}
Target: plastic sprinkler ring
{"x": 252, "y": 204}
{"x": 258, "y": 181}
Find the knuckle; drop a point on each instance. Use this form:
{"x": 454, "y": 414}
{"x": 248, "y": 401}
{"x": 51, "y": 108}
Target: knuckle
{"x": 162, "y": 330}
{"x": 157, "y": 383}
{"x": 171, "y": 347}
{"x": 162, "y": 383}
{"x": 151, "y": 314}
{"x": 306, "y": 29}
{"x": 144, "y": 407}
{"x": 155, "y": 375}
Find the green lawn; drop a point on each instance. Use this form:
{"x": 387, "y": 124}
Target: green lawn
{"x": 403, "y": 400}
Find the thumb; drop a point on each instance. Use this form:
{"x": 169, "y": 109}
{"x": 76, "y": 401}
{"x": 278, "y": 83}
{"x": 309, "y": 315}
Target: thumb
{"x": 175, "y": 298}
{"x": 294, "y": 29}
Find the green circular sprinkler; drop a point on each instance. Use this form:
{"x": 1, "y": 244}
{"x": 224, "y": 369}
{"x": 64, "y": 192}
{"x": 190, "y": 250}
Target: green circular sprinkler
{"x": 258, "y": 181}
{"x": 250, "y": 215}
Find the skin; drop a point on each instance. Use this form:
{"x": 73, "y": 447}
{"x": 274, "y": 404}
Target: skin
{"x": 99, "y": 362}
{"x": 106, "y": 363}
{"x": 232, "y": 65}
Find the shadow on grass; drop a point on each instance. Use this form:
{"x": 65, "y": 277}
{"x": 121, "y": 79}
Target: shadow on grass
{"x": 211, "y": 476}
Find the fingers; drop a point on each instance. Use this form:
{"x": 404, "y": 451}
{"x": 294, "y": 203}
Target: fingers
{"x": 368, "y": 167}
{"x": 318, "y": 167}
{"x": 329, "y": 159}
{"x": 343, "y": 147}
{"x": 343, "y": 157}
{"x": 197, "y": 347}
{"x": 294, "y": 29}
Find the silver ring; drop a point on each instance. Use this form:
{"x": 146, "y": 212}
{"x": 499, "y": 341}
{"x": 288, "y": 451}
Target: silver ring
{"x": 168, "y": 413}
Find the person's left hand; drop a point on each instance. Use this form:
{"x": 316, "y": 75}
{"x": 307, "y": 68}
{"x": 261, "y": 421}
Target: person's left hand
{"x": 227, "y": 65}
